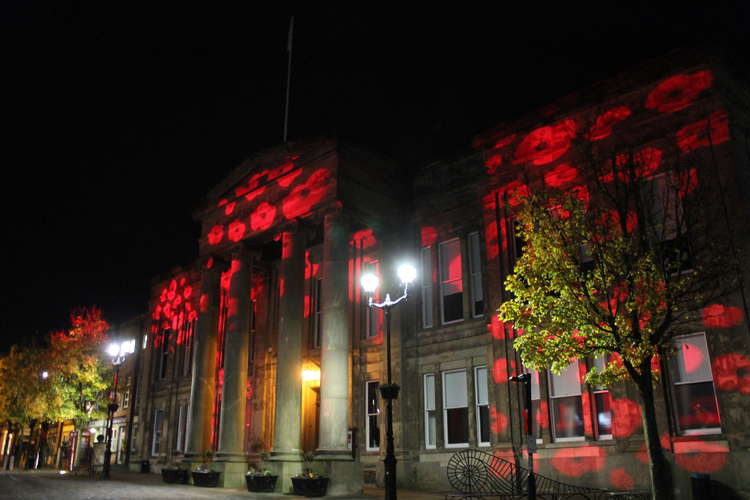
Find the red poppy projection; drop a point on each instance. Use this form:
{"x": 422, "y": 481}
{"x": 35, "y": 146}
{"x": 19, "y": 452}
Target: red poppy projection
{"x": 619, "y": 478}
{"x": 645, "y": 164}
{"x": 732, "y": 373}
{"x": 561, "y": 175}
{"x": 364, "y": 239}
{"x": 679, "y": 91}
{"x": 500, "y": 370}
{"x": 305, "y": 196}
{"x": 605, "y": 122}
{"x": 575, "y": 462}
{"x": 709, "y": 132}
{"x": 174, "y": 308}
{"x": 701, "y": 456}
{"x": 720, "y": 316}
{"x": 498, "y": 421}
{"x": 262, "y": 217}
{"x": 626, "y": 418}
{"x": 428, "y": 236}
{"x": 546, "y": 144}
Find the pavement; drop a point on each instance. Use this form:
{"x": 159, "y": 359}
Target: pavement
{"x": 50, "y": 484}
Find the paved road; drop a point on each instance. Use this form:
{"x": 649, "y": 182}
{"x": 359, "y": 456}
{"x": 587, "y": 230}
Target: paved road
{"x": 48, "y": 484}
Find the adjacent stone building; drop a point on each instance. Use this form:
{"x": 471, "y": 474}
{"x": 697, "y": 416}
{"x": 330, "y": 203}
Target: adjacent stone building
{"x": 265, "y": 349}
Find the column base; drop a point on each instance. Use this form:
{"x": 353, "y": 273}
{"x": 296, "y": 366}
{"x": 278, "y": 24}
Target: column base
{"x": 344, "y": 477}
{"x": 232, "y": 473}
{"x": 285, "y": 470}
{"x": 342, "y": 455}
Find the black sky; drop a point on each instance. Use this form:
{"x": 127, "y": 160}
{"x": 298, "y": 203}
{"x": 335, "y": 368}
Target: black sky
{"x": 119, "y": 118}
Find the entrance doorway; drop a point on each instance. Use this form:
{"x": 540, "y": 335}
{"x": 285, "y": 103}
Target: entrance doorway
{"x": 310, "y": 409}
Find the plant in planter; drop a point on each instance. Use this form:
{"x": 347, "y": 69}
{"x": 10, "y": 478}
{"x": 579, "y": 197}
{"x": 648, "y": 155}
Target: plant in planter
{"x": 310, "y": 484}
{"x": 260, "y": 480}
{"x": 174, "y": 474}
{"x": 203, "y": 475}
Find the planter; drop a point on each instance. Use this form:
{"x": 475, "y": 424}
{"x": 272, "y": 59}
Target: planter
{"x": 174, "y": 476}
{"x": 310, "y": 487}
{"x": 261, "y": 483}
{"x": 206, "y": 479}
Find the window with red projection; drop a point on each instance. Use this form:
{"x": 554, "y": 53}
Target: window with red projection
{"x": 695, "y": 409}
{"x": 679, "y": 91}
{"x": 546, "y": 144}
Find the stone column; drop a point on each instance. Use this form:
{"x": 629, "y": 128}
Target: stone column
{"x": 334, "y": 349}
{"x": 234, "y": 391}
{"x": 204, "y": 359}
{"x": 287, "y": 432}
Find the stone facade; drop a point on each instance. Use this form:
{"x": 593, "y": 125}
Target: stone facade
{"x": 265, "y": 350}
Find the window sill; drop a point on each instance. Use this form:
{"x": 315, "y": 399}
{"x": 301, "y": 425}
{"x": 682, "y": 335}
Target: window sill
{"x": 691, "y": 434}
{"x": 457, "y": 445}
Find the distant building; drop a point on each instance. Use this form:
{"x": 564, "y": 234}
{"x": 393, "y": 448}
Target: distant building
{"x": 266, "y": 345}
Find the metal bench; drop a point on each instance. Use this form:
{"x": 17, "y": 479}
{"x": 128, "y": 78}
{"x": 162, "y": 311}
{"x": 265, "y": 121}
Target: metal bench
{"x": 477, "y": 474}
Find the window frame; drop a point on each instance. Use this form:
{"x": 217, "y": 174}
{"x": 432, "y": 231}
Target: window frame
{"x": 701, "y": 431}
{"x": 478, "y": 406}
{"x": 596, "y": 390}
{"x": 446, "y": 443}
{"x": 474, "y": 246}
{"x": 442, "y": 283}
{"x": 551, "y": 397}
{"x": 425, "y": 260}
{"x": 368, "y": 415}
{"x": 427, "y": 411}
{"x": 157, "y": 432}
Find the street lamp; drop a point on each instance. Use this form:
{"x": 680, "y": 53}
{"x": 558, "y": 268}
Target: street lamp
{"x": 117, "y": 352}
{"x": 406, "y": 273}
{"x": 525, "y": 379}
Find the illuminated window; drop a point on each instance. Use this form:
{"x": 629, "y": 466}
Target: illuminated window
{"x": 426, "y": 259}
{"x": 181, "y": 426}
{"x": 475, "y": 266}
{"x": 567, "y": 410}
{"x": 483, "y": 405}
{"x": 693, "y": 390}
{"x": 125, "y": 399}
{"x": 602, "y": 404}
{"x": 373, "y": 412}
{"x": 430, "y": 418}
{"x": 156, "y": 437}
{"x": 455, "y": 409}
{"x": 451, "y": 281}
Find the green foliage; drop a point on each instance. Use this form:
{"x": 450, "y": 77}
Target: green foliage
{"x": 596, "y": 278}
{"x": 78, "y": 377}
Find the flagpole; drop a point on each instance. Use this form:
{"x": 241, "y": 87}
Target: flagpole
{"x": 288, "y": 76}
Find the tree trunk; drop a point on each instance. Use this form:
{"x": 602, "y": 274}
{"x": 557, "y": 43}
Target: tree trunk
{"x": 659, "y": 469}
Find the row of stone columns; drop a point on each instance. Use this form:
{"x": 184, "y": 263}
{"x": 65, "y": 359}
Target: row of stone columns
{"x": 334, "y": 402}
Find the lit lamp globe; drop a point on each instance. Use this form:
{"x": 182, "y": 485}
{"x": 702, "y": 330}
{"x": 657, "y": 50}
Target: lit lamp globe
{"x": 113, "y": 350}
{"x": 369, "y": 282}
{"x": 406, "y": 273}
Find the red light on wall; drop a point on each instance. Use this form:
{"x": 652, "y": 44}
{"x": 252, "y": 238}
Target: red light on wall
{"x": 262, "y": 217}
{"x": 701, "y": 456}
{"x": 255, "y": 193}
{"x": 498, "y": 421}
{"x": 229, "y": 208}
{"x": 236, "y": 230}
{"x": 490, "y": 237}
{"x": 646, "y": 162}
{"x": 306, "y": 195}
{"x": 712, "y": 131}
{"x": 626, "y": 417}
{"x": 604, "y": 123}
{"x": 428, "y": 236}
{"x": 215, "y": 235}
{"x": 287, "y": 180}
{"x": 546, "y": 144}
{"x": 619, "y": 478}
{"x": 542, "y": 416}
{"x": 363, "y": 239}
{"x": 492, "y": 163}
{"x": 721, "y": 316}
{"x": 575, "y": 462}
{"x": 732, "y": 373}
{"x": 678, "y": 92}
{"x": 497, "y": 328}
{"x": 560, "y": 175}
{"x": 500, "y": 370}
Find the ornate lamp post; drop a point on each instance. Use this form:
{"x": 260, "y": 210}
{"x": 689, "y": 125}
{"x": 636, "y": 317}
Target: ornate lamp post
{"x": 389, "y": 391}
{"x": 117, "y": 352}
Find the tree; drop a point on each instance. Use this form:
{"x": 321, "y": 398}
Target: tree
{"x": 79, "y": 377}
{"x": 617, "y": 267}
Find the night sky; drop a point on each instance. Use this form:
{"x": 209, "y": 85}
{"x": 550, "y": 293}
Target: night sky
{"x": 118, "y": 119}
